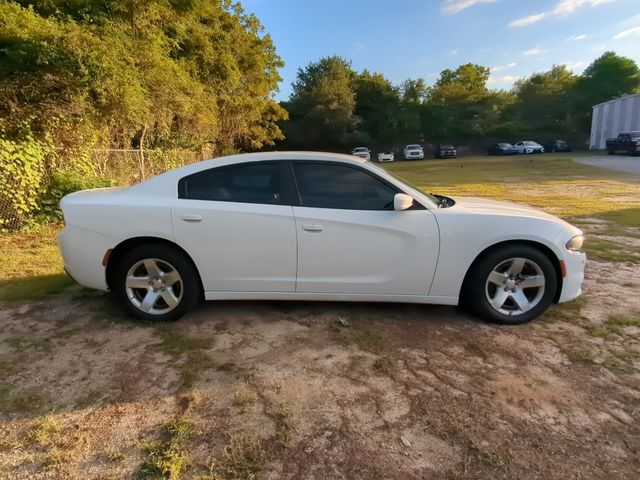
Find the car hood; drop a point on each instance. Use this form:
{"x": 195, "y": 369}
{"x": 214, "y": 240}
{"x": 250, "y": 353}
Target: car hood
{"x": 483, "y": 205}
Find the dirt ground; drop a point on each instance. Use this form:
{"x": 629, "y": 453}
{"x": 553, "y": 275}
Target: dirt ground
{"x": 322, "y": 390}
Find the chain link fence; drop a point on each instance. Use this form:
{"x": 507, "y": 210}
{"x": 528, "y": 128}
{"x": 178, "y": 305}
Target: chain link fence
{"x": 125, "y": 167}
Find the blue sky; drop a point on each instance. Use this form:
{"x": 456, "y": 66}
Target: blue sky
{"x": 419, "y": 38}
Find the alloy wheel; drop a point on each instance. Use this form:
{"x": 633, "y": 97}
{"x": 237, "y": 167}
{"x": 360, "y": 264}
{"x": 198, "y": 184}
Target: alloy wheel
{"x": 515, "y": 286}
{"x": 154, "y": 286}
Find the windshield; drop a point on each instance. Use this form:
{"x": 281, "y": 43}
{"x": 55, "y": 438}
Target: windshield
{"x": 447, "y": 147}
{"x": 413, "y": 147}
{"x": 360, "y": 150}
{"x": 416, "y": 189}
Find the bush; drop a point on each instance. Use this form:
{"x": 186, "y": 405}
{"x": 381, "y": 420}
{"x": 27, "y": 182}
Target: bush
{"x": 62, "y": 183}
{"x": 22, "y": 175}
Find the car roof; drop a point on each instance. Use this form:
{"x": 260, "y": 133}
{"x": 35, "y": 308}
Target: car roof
{"x": 168, "y": 179}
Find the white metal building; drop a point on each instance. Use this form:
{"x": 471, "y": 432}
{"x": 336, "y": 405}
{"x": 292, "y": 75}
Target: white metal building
{"x": 614, "y": 117}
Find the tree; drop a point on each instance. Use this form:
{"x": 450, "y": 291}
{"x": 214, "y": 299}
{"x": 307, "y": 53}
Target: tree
{"x": 543, "y": 102}
{"x": 413, "y": 91}
{"x": 141, "y": 73}
{"x": 323, "y": 102}
{"x": 377, "y": 105}
{"x": 469, "y": 77}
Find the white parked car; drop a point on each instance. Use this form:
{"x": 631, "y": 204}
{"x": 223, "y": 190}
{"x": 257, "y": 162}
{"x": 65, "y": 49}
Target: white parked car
{"x": 413, "y": 152}
{"x": 386, "y": 157}
{"x": 362, "y": 152}
{"x": 528, "y": 146}
{"x": 314, "y": 226}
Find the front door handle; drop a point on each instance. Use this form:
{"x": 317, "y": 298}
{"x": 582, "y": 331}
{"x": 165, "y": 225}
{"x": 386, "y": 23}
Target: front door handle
{"x": 192, "y": 218}
{"x": 312, "y": 227}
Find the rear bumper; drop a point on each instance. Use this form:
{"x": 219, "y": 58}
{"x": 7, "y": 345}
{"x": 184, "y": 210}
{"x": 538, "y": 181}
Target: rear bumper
{"x": 572, "y": 282}
{"x": 82, "y": 253}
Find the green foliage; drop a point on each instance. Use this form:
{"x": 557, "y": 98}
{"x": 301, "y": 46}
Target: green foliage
{"x": 150, "y": 73}
{"x": 63, "y": 183}
{"x": 21, "y": 180}
{"x": 323, "y": 102}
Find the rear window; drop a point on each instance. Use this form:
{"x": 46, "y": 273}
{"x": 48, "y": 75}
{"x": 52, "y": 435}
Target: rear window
{"x": 254, "y": 183}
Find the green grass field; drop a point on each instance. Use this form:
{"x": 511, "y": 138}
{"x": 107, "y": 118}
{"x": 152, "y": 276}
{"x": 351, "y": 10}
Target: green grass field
{"x": 554, "y": 183}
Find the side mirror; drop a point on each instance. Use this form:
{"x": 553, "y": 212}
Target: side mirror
{"x": 402, "y": 202}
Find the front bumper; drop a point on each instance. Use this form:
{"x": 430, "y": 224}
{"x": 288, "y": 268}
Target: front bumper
{"x": 572, "y": 282}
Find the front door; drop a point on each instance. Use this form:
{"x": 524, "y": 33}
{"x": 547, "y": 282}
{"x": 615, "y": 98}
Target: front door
{"x": 351, "y": 241}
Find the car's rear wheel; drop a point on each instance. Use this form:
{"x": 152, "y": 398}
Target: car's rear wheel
{"x": 512, "y": 285}
{"x": 156, "y": 282}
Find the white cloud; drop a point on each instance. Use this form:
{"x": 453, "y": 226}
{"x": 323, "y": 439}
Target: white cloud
{"x": 576, "y": 38}
{"x": 535, "y": 51}
{"x": 561, "y": 8}
{"x": 574, "y": 65}
{"x": 450, "y": 7}
{"x": 454, "y": 52}
{"x": 500, "y": 68}
{"x": 626, "y": 33}
{"x": 531, "y": 19}
{"x": 359, "y": 45}
{"x": 504, "y": 79}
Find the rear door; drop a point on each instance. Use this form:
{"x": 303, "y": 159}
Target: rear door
{"x": 237, "y": 224}
{"x": 351, "y": 241}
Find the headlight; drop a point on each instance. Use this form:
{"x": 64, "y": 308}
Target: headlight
{"x": 575, "y": 244}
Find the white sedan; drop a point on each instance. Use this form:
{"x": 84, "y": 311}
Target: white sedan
{"x": 314, "y": 226}
{"x": 384, "y": 157}
{"x": 528, "y": 146}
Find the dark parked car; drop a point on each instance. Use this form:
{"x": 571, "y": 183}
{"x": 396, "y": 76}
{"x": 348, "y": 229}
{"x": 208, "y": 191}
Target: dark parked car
{"x": 502, "y": 149}
{"x": 446, "y": 151}
{"x": 627, "y": 142}
{"x": 557, "y": 146}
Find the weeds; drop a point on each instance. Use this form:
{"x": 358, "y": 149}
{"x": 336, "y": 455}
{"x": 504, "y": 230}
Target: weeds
{"x": 242, "y": 459}
{"x": 42, "y": 434}
{"x": 167, "y": 458}
{"x": 244, "y": 397}
{"x": 582, "y": 355}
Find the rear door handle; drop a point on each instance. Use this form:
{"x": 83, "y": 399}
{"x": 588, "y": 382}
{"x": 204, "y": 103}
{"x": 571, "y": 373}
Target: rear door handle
{"x": 192, "y": 218}
{"x": 312, "y": 227}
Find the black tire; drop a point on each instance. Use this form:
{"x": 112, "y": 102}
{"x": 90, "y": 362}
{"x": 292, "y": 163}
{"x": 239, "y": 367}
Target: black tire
{"x": 611, "y": 152}
{"x": 189, "y": 288}
{"x": 476, "y": 291}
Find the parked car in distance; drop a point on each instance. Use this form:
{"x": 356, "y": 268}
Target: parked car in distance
{"x": 314, "y": 226}
{"x": 557, "y": 146}
{"x": 502, "y": 149}
{"x": 528, "y": 146}
{"x": 446, "y": 151}
{"x": 362, "y": 152}
{"x": 386, "y": 157}
{"x": 626, "y": 142}
{"x": 413, "y": 152}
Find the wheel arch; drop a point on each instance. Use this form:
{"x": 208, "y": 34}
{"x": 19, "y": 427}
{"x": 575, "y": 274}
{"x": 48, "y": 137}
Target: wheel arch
{"x": 119, "y": 250}
{"x": 555, "y": 261}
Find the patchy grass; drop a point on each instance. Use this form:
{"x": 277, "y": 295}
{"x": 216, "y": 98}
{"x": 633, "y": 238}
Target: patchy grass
{"x": 624, "y": 320}
{"x": 244, "y": 397}
{"x": 552, "y": 183}
{"x": 602, "y": 331}
{"x": 167, "y": 457}
{"x": 566, "y": 312}
{"x": 608, "y": 251}
{"x": 22, "y": 401}
{"x": 43, "y": 432}
{"x": 382, "y": 364}
{"x": 31, "y": 266}
{"x": 242, "y": 459}
{"x": 195, "y": 360}
{"x": 581, "y": 355}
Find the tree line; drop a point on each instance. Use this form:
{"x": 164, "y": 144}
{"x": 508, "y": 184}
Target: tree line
{"x": 333, "y": 106}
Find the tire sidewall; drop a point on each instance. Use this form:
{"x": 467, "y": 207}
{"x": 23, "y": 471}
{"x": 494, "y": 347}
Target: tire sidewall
{"x": 477, "y": 298}
{"x": 190, "y": 280}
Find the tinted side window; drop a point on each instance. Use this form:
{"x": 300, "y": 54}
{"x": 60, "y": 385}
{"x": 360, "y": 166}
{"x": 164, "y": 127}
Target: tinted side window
{"x": 339, "y": 186}
{"x": 255, "y": 183}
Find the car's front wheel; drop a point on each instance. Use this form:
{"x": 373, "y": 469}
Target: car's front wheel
{"x": 512, "y": 285}
{"x": 156, "y": 282}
